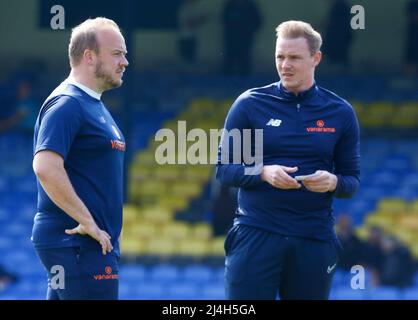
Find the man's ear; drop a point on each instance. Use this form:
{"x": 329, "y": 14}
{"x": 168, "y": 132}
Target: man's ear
{"x": 317, "y": 58}
{"x": 89, "y": 56}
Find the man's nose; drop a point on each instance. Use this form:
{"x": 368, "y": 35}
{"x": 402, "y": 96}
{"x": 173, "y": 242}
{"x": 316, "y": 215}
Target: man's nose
{"x": 286, "y": 64}
{"x": 125, "y": 62}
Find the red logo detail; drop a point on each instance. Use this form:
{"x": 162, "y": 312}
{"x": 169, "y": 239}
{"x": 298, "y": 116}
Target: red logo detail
{"x": 108, "y": 270}
{"x": 118, "y": 145}
{"x": 107, "y": 276}
{"x": 320, "y": 127}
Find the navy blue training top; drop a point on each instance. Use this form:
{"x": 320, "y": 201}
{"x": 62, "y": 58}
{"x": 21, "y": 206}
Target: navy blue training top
{"x": 78, "y": 127}
{"x": 315, "y": 130}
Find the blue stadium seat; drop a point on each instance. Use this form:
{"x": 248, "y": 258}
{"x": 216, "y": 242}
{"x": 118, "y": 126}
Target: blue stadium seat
{"x": 133, "y": 273}
{"x": 183, "y": 291}
{"x": 384, "y": 293}
{"x": 344, "y": 293}
{"x": 164, "y": 273}
{"x": 149, "y": 291}
{"x": 410, "y": 293}
{"x": 213, "y": 292}
{"x": 197, "y": 274}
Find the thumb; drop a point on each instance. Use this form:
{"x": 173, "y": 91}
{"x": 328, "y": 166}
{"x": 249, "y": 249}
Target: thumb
{"x": 71, "y": 231}
{"x": 289, "y": 169}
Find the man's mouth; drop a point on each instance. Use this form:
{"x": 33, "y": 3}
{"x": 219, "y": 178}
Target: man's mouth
{"x": 287, "y": 75}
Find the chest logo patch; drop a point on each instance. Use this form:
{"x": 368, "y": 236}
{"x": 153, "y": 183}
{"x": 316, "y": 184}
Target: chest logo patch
{"x": 274, "y": 122}
{"x": 320, "y": 127}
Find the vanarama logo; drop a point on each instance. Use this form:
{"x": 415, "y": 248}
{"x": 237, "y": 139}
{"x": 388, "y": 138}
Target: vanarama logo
{"x": 107, "y": 276}
{"x": 118, "y": 145}
{"x": 320, "y": 127}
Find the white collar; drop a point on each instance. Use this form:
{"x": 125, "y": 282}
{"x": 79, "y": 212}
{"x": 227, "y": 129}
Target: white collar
{"x": 87, "y": 90}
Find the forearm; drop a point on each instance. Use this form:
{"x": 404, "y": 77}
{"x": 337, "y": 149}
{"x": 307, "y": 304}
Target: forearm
{"x": 233, "y": 175}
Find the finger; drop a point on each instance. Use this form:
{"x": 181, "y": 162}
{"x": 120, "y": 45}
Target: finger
{"x": 286, "y": 178}
{"x": 104, "y": 249}
{"x": 71, "y": 231}
{"x": 316, "y": 188}
{"x": 289, "y": 169}
{"x": 316, "y": 177}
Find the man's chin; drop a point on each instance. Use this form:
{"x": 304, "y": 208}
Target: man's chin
{"x": 289, "y": 84}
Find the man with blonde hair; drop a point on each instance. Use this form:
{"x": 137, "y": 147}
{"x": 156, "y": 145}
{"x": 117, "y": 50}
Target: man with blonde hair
{"x": 78, "y": 161}
{"x": 283, "y": 239}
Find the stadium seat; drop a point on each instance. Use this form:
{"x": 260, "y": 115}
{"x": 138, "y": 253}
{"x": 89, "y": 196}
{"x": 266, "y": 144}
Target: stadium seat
{"x": 384, "y": 293}
{"x": 182, "y": 291}
{"x": 197, "y": 274}
{"x": 164, "y": 273}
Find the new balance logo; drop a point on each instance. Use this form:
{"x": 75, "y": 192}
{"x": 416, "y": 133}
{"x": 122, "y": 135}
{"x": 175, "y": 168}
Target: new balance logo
{"x": 274, "y": 122}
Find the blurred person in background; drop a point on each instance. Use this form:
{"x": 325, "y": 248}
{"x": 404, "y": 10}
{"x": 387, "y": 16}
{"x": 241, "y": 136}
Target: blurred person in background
{"x": 78, "y": 160}
{"x": 6, "y": 278}
{"x": 27, "y": 106}
{"x": 283, "y": 239}
{"x": 352, "y": 246}
{"x": 241, "y": 20}
{"x": 398, "y": 267}
{"x": 338, "y": 36}
{"x": 373, "y": 253}
{"x": 411, "y": 42}
{"x": 192, "y": 15}
{"x": 10, "y": 115}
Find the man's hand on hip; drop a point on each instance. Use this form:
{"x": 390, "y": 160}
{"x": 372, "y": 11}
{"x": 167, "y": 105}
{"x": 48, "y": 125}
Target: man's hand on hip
{"x": 93, "y": 231}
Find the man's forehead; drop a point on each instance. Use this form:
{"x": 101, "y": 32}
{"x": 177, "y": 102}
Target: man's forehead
{"x": 111, "y": 37}
{"x": 291, "y": 42}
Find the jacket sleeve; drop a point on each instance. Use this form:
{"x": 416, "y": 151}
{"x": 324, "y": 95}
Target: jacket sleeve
{"x": 231, "y": 168}
{"x": 347, "y": 158}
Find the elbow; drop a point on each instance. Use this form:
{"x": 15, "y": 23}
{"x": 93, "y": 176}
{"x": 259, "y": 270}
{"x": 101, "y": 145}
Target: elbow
{"x": 40, "y": 169}
{"x": 46, "y": 164}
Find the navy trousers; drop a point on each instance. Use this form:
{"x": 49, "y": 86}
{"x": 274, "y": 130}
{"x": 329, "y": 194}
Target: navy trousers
{"x": 78, "y": 273}
{"x": 261, "y": 265}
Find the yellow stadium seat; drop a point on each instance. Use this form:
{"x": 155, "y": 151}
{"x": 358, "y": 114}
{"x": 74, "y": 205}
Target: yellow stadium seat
{"x": 202, "y": 231}
{"x": 217, "y": 246}
{"x": 145, "y": 158}
{"x": 406, "y": 236}
{"x": 132, "y": 246}
{"x": 161, "y": 246}
{"x": 413, "y": 207}
{"x": 409, "y": 222}
{"x": 176, "y": 230}
{"x": 173, "y": 203}
{"x": 130, "y": 213}
{"x": 392, "y": 205}
{"x": 414, "y": 250}
{"x": 186, "y": 189}
{"x": 143, "y": 230}
{"x": 384, "y": 222}
{"x": 157, "y": 214}
{"x": 193, "y": 247}
{"x": 167, "y": 172}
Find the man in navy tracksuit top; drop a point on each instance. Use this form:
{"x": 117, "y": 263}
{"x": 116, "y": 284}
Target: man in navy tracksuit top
{"x": 78, "y": 160}
{"x": 283, "y": 241}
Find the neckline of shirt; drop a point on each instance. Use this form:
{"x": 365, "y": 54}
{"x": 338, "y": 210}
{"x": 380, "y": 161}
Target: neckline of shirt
{"x": 302, "y": 95}
{"x": 87, "y": 90}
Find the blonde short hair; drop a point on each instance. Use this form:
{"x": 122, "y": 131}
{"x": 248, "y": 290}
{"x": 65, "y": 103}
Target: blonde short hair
{"x": 84, "y": 37}
{"x": 295, "y": 29}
